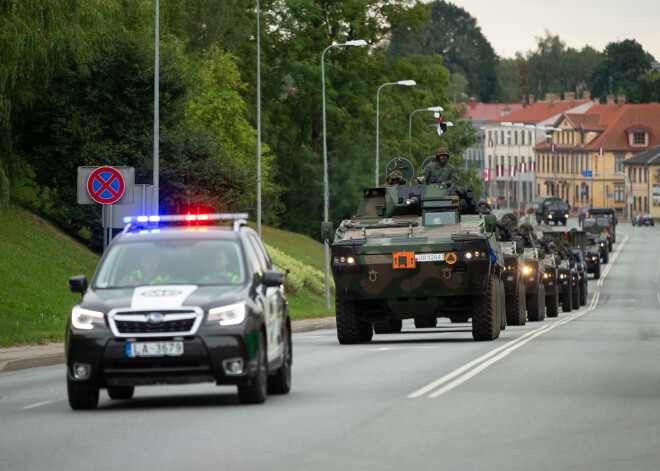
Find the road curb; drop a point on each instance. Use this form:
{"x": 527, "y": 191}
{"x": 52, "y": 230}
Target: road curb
{"x": 32, "y": 356}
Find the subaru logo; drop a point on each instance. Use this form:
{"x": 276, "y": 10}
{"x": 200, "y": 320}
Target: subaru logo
{"x": 157, "y": 293}
{"x": 155, "y": 318}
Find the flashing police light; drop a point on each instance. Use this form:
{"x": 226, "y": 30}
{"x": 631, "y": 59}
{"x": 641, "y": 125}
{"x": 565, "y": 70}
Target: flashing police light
{"x": 142, "y": 222}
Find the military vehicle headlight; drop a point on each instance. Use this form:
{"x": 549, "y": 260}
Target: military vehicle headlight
{"x": 602, "y": 244}
{"x": 565, "y": 215}
{"x": 545, "y": 276}
{"x": 594, "y": 258}
{"x": 549, "y": 216}
{"x": 84, "y": 319}
{"x": 562, "y": 276}
{"x": 345, "y": 260}
{"x": 526, "y": 270}
{"x": 233, "y": 314}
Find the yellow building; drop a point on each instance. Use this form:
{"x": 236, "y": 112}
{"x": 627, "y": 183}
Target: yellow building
{"x": 582, "y": 161}
{"x": 644, "y": 173}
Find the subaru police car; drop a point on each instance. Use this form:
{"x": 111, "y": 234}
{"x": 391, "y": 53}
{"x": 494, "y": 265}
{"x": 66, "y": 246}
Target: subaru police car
{"x": 180, "y": 299}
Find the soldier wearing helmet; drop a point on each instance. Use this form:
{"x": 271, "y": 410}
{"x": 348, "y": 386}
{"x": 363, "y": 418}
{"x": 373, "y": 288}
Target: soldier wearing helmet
{"x": 439, "y": 170}
{"x": 512, "y": 219}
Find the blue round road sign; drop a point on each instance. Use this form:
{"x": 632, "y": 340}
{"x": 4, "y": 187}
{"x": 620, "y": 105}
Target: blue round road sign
{"x": 105, "y": 185}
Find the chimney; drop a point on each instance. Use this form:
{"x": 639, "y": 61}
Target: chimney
{"x": 531, "y": 100}
{"x": 570, "y": 98}
{"x": 549, "y": 100}
{"x": 621, "y": 99}
{"x": 471, "y": 101}
{"x": 610, "y": 99}
{"x": 586, "y": 95}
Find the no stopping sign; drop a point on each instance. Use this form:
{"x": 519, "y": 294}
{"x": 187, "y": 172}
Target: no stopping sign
{"x": 105, "y": 185}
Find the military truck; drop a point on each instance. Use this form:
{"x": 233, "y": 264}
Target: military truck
{"x": 541, "y": 207}
{"x": 416, "y": 251}
{"x": 598, "y": 225}
{"x": 609, "y": 213}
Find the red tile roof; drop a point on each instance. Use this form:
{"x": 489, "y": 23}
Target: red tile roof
{"x": 489, "y": 111}
{"x": 539, "y": 112}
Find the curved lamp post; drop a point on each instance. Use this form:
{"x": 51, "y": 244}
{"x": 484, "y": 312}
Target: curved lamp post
{"x": 407, "y": 83}
{"x": 437, "y": 109}
{"x": 326, "y": 192}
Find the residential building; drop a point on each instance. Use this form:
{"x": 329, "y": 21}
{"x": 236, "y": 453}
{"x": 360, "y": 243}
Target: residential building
{"x": 643, "y": 170}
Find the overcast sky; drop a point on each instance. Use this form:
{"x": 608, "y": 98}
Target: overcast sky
{"x": 513, "y": 25}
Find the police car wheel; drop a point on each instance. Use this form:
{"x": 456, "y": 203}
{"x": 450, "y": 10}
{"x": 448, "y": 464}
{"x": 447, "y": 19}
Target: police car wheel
{"x": 81, "y": 399}
{"x": 121, "y": 392}
{"x": 280, "y": 382}
{"x": 257, "y": 391}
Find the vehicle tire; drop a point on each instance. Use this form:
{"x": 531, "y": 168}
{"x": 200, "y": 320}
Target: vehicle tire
{"x": 502, "y": 306}
{"x": 610, "y": 245}
{"x": 576, "y": 298}
{"x": 564, "y": 221}
{"x": 583, "y": 293}
{"x": 516, "y": 307}
{"x": 257, "y": 391}
{"x": 485, "y": 324}
{"x": 567, "y": 300}
{"x": 81, "y": 399}
{"x": 348, "y": 324}
{"x": 366, "y": 331}
{"x": 552, "y": 303}
{"x": 280, "y": 382}
{"x": 536, "y": 305}
{"x": 121, "y": 392}
{"x": 425, "y": 322}
{"x": 388, "y": 326}
{"x": 597, "y": 272}
{"x": 606, "y": 257}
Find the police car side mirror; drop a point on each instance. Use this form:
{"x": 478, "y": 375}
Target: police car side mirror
{"x": 273, "y": 278}
{"x": 78, "y": 284}
{"x": 326, "y": 232}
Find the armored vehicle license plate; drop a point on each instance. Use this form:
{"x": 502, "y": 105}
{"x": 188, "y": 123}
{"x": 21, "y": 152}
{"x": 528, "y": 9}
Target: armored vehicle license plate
{"x": 154, "y": 349}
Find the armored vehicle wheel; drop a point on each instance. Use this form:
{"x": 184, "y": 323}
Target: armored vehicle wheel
{"x": 425, "y": 322}
{"x": 567, "y": 301}
{"x": 583, "y": 293}
{"x": 348, "y": 324}
{"x": 516, "y": 307}
{"x": 552, "y": 303}
{"x": 610, "y": 246}
{"x": 485, "y": 324}
{"x": 502, "y": 306}
{"x": 81, "y": 399}
{"x": 366, "y": 331}
{"x": 597, "y": 272}
{"x": 536, "y": 305}
{"x": 121, "y": 392}
{"x": 576, "y": 298}
{"x": 606, "y": 257}
{"x": 388, "y": 326}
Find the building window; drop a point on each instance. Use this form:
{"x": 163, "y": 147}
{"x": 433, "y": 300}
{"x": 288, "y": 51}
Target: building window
{"x": 618, "y": 164}
{"x": 618, "y": 193}
{"x": 639, "y": 138}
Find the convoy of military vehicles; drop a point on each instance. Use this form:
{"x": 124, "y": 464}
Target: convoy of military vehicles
{"x": 424, "y": 251}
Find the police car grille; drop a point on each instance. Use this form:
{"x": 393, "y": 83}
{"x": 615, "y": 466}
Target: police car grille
{"x": 127, "y": 327}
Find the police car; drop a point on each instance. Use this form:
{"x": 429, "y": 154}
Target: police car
{"x": 180, "y": 299}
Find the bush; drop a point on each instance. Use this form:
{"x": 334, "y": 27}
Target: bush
{"x": 299, "y": 275}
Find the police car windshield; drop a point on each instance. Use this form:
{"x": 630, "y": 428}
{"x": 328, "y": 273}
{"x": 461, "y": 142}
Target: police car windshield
{"x": 190, "y": 262}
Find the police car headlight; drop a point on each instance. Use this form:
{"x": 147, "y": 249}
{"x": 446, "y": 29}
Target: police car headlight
{"x": 233, "y": 314}
{"x": 84, "y": 319}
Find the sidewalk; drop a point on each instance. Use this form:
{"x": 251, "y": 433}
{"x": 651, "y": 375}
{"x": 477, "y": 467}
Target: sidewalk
{"x": 30, "y": 356}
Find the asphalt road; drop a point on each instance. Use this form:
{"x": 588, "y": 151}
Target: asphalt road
{"x": 577, "y": 392}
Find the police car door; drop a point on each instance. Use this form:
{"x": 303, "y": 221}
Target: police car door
{"x": 271, "y": 300}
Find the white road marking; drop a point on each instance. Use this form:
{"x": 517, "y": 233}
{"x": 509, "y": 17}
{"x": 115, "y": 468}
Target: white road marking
{"x": 658, "y": 295}
{"x": 45, "y": 403}
{"x": 612, "y": 259}
{"x": 484, "y": 362}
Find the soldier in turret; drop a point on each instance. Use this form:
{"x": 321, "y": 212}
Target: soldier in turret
{"x": 439, "y": 170}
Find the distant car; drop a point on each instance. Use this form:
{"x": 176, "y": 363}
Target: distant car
{"x": 643, "y": 220}
{"x": 177, "y": 299}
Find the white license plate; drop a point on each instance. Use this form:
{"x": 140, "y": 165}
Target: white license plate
{"x": 154, "y": 349}
{"x": 429, "y": 257}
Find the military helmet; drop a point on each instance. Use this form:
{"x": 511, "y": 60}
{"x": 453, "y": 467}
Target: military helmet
{"x": 442, "y": 151}
{"x": 512, "y": 218}
{"x": 527, "y": 227}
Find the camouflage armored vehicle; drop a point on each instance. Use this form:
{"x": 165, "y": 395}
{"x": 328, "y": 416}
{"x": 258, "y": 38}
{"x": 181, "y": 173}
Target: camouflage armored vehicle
{"x": 578, "y": 241}
{"x": 550, "y": 279}
{"x": 601, "y": 228}
{"x": 416, "y": 251}
{"x": 514, "y": 260}
{"x": 567, "y": 277}
{"x": 533, "y": 271}
{"x": 593, "y": 253}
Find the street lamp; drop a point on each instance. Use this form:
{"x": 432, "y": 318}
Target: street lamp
{"x": 326, "y": 192}
{"x": 437, "y": 109}
{"x": 407, "y": 83}
{"x": 156, "y": 115}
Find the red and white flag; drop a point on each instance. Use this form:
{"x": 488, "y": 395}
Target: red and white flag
{"x": 490, "y": 143}
{"x": 552, "y": 147}
{"x": 522, "y": 168}
{"x": 512, "y": 171}
{"x": 500, "y": 170}
{"x": 486, "y": 174}
{"x": 600, "y": 151}
{"x": 531, "y": 166}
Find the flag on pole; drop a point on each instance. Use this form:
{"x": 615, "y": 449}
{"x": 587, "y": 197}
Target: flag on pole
{"x": 512, "y": 171}
{"x": 500, "y": 171}
{"x": 522, "y": 168}
{"x": 486, "y": 174}
{"x": 600, "y": 151}
{"x": 490, "y": 143}
{"x": 531, "y": 166}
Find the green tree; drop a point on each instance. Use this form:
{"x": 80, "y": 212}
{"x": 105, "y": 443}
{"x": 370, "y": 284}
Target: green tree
{"x": 453, "y": 33}
{"x": 622, "y": 63}
{"x": 646, "y": 89}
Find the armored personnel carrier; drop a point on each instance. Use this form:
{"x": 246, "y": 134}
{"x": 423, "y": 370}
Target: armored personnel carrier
{"x": 514, "y": 261}
{"x": 416, "y": 251}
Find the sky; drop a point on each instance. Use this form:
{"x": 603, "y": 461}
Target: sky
{"x": 512, "y": 26}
